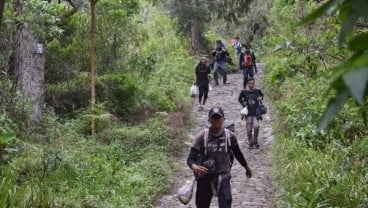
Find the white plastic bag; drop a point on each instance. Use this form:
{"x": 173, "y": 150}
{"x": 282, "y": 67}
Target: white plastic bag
{"x": 244, "y": 111}
{"x": 194, "y": 91}
{"x": 209, "y": 87}
{"x": 185, "y": 192}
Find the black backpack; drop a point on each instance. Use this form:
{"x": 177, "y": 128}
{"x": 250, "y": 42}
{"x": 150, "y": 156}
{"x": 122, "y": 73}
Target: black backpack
{"x": 227, "y": 125}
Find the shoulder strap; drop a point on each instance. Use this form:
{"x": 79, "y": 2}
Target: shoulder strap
{"x": 205, "y": 140}
{"x": 227, "y": 139}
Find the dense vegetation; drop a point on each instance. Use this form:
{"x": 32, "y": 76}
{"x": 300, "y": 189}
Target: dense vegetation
{"x": 144, "y": 68}
{"x": 325, "y": 168}
{"x": 141, "y": 112}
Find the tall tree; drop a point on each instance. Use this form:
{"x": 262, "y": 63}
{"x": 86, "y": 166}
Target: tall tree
{"x": 38, "y": 21}
{"x": 195, "y": 31}
{"x": 93, "y": 45}
{"x": 29, "y": 65}
{"x": 193, "y": 15}
{"x": 2, "y": 6}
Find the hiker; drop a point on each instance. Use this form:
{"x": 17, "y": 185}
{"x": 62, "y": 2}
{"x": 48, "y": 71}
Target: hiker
{"x": 251, "y": 98}
{"x": 210, "y": 159}
{"x": 247, "y": 63}
{"x": 220, "y": 53}
{"x": 237, "y": 47}
{"x": 202, "y": 72}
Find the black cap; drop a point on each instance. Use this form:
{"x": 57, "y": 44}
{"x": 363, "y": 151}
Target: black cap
{"x": 214, "y": 111}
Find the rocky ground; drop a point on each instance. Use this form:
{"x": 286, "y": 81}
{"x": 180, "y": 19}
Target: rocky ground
{"x": 255, "y": 192}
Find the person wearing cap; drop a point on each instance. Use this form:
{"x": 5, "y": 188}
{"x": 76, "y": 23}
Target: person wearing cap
{"x": 220, "y": 54}
{"x": 215, "y": 180}
{"x": 202, "y": 72}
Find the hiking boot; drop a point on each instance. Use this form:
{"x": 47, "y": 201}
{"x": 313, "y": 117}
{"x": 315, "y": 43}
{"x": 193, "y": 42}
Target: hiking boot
{"x": 200, "y": 107}
{"x": 251, "y": 146}
{"x": 256, "y": 146}
{"x": 216, "y": 84}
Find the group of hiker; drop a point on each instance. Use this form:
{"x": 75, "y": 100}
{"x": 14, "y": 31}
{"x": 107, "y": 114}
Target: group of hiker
{"x": 246, "y": 63}
{"x": 214, "y": 148}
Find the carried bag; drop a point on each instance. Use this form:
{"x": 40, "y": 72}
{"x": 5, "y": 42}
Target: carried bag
{"x": 263, "y": 108}
{"x": 244, "y": 111}
{"x": 194, "y": 91}
{"x": 248, "y": 59}
{"x": 185, "y": 192}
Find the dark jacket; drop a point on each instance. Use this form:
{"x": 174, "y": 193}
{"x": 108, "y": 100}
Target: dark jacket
{"x": 220, "y": 54}
{"x": 202, "y": 72}
{"x": 223, "y": 160}
{"x": 249, "y": 98}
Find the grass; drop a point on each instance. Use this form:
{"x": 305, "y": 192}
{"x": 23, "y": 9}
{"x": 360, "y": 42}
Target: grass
{"x": 70, "y": 170}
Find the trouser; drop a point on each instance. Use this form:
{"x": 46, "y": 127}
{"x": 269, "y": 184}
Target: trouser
{"x": 237, "y": 55}
{"x": 203, "y": 91}
{"x": 220, "y": 66}
{"x": 204, "y": 193}
{"x": 247, "y": 73}
{"x": 252, "y": 123}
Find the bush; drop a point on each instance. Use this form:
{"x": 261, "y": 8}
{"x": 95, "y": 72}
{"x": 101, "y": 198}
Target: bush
{"x": 120, "y": 92}
{"x": 312, "y": 169}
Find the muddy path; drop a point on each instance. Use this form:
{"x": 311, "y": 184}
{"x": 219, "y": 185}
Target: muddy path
{"x": 255, "y": 192}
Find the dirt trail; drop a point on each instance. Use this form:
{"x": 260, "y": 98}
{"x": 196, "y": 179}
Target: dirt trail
{"x": 255, "y": 192}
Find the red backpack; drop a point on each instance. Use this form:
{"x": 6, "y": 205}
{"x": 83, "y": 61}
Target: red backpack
{"x": 248, "y": 59}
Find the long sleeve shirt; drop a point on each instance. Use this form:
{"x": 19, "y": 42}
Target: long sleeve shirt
{"x": 197, "y": 149}
{"x": 249, "y": 98}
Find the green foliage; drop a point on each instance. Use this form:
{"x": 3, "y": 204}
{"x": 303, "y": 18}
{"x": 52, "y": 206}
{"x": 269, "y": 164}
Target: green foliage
{"x": 354, "y": 81}
{"x": 189, "y": 12}
{"x": 315, "y": 169}
{"x": 68, "y": 170}
{"x": 104, "y": 120}
{"x": 10, "y": 195}
{"x": 13, "y": 105}
{"x": 67, "y": 97}
{"x": 43, "y": 17}
{"x": 332, "y": 178}
{"x": 57, "y": 163}
{"x": 6, "y": 140}
{"x": 132, "y": 69}
{"x": 165, "y": 66}
{"x": 120, "y": 92}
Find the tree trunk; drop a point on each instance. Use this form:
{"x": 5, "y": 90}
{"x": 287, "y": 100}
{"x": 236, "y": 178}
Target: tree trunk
{"x": 2, "y": 5}
{"x": 93, "y": 93}
{"x": 30, "y": 66}
{"x": 195, "y": 38}
{"x": 195, "y": 32}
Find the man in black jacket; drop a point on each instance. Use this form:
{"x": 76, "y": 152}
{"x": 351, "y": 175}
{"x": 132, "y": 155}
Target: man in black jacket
{"x": 210, "y": 159}
{"x": 251, "y": 98}
{"x": 220, "y": 54}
